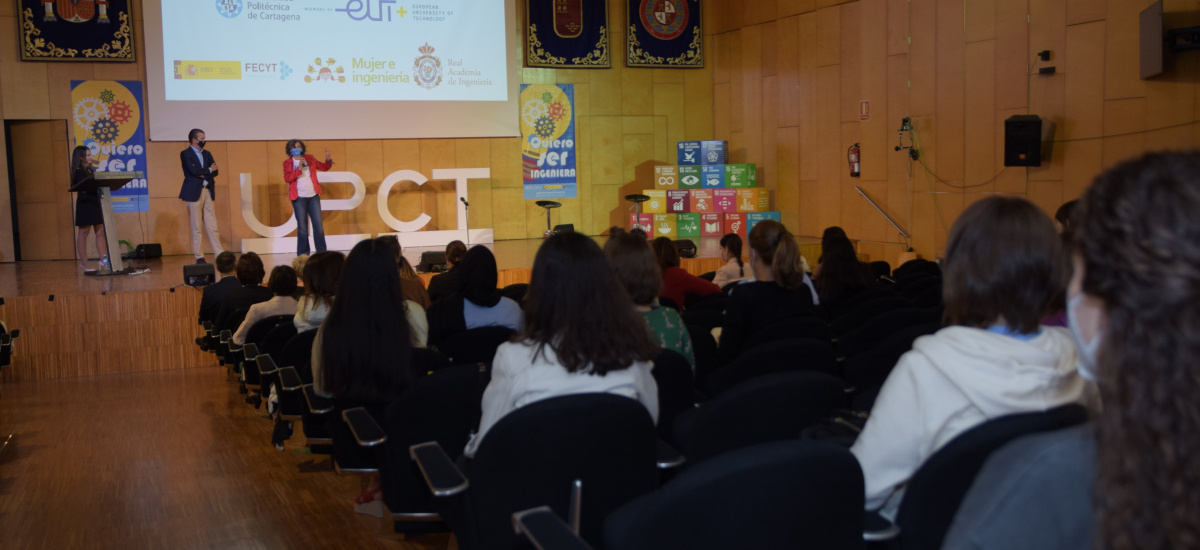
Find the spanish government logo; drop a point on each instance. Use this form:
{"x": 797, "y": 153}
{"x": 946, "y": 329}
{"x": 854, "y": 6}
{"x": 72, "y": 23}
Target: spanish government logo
{"x": 664, "y": 19}
{"x": 229, "y": 8}
{"x": 325, "y": 71}
{"x": 427, "y": 68}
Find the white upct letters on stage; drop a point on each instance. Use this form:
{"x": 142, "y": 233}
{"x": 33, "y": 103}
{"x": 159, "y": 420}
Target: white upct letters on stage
{"x": 273, "y": 239}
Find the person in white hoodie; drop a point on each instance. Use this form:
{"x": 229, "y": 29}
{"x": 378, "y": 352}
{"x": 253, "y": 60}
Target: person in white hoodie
{"x": 1003, "y": 267}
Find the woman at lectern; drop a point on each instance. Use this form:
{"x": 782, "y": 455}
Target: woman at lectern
{"x": 88, "y": 214}
{"x": 300, "y": 172}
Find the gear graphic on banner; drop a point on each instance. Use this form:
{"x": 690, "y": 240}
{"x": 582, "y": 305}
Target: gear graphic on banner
{"x": 105, "y": 130}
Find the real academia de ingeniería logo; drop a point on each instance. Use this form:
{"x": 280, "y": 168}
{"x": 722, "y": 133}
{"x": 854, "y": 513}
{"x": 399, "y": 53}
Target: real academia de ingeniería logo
{"x": 229, "y": 8}
{"x": 427, "y": 69}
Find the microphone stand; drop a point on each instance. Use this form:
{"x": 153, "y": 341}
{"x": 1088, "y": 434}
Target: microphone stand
{"x": 467, "y": 218}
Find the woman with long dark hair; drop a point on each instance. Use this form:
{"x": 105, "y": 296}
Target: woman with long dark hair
{"x": 841, "y": 274}
{"x": 1127, "y": 481}
{"x": 89, "y": 216}
{"x": 581, "y": 335}
{"x": 477, "y": 303}
{"x": 362, "y": 352}
{"x": 777, "y": 292}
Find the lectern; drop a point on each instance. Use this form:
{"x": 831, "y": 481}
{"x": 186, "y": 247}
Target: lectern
{"x": 105, "y": 183}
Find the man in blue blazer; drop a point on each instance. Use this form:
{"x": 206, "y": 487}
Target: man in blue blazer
{"x": 199, "y": 192}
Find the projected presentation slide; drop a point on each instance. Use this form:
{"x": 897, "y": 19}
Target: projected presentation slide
{"x": 334, "y": 50}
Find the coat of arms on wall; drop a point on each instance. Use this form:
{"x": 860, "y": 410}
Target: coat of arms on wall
{"x": 76, "y": 30}
{"x": 664, "y": 33}
{"x": 566, "y": 33}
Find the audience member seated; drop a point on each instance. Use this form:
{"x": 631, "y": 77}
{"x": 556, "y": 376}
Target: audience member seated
{"x": 298, "y": 266}
{"x": 1128, "y": 480}
{"x": 357, "y": 357}
{"x": 250, "y": 274}
{"x": 580, "y": 335}
{"x": 840, "y": 275}
{"x": 282, "y": 285}
{"x": 778, "y": 291}
{"x": 731, "y": 253}
{"x": 1066, "y": 218}
{"x": 412, "y": 285}
{"x": 636, "y": 269}
{"x": 1003, "y": 266}
{"x": 321, "y": 275}
{"x": 477, "y": 302}
{"x": 677, "y": 282}
{"x": 444, "y": 285}
{"x": 210, "y": 299}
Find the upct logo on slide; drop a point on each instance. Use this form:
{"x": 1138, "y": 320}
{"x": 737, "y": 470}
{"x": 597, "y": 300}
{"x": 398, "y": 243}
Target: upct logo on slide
{"x": 229, "y": 8}
{"x": 427, "y": 69}
{"x": 325, "y": 71}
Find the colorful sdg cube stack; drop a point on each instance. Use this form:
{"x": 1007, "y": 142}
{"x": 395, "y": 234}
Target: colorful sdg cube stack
{"x": 702, "y": 196}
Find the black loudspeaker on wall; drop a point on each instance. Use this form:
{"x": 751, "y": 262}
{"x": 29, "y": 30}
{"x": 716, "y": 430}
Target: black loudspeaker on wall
{"x": 1023, "y": 140}
{"x": 199, "y": 274}
{"x": 686, "y": 248}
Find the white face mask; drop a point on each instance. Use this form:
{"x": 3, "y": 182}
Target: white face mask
{"x": 1087, "y": 350}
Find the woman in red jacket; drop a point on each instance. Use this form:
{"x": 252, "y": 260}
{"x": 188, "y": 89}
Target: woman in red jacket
{"x": 677, "y": 282}
{"x": 300, "y": 173}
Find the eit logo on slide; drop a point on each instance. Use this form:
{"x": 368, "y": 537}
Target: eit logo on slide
{"x": 229, "y": 8}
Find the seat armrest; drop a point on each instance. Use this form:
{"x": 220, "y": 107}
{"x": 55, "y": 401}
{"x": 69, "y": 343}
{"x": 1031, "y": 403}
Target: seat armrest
{"x": 266, "y": 365}
{"x": 441, "y": 475}
{"x": 226, "y": 336}
{"x": 546, "y": 531}
{"x": 668, "y": 457}
{"x": 289, "y": 379}
{"x": 208, "y": 326}
{"x": 366, "y": 430}
{"x": 316, "y": 403}
{"x": 250, "y": 351}
{"x": 877, "y": 528}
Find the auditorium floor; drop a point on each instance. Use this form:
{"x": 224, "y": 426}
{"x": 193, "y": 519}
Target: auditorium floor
{"x": 169, "y": 459}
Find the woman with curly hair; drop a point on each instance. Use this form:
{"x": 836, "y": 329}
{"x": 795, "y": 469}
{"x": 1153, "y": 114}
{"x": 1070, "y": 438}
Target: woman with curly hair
{"x": 1129, "y": 480}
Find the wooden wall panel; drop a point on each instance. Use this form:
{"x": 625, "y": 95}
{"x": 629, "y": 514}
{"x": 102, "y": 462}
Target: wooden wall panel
{"x": 980, "y": 162}
{"x": 1048, "y": 32}
{"x": 964, "y": 72}
{"x": 1083, "y": 73}
{"x": 1084, "y": 11}
{"x": 1012, "y": 54}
